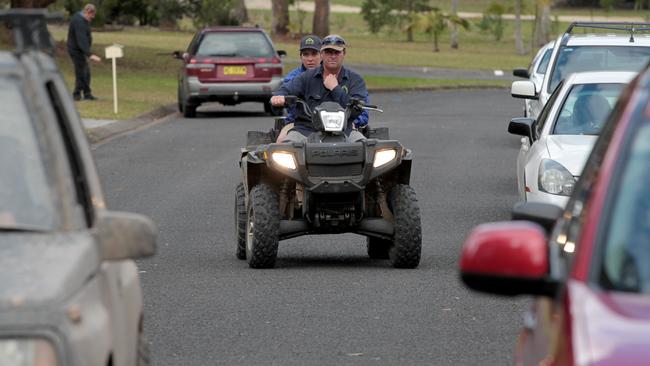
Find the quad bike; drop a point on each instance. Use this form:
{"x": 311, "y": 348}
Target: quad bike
{"x": 324, "y": 186}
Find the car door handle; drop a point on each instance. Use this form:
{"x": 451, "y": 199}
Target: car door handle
{"x": 524, "y": 144}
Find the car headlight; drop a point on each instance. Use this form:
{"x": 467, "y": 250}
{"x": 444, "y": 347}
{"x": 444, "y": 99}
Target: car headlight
{"x": 555, "y": 178}
{"x": 284, "y": 159}
{"x": 333, "y": 121}
{"x": 27, "y": 352}
{"x": 383, "y": 157}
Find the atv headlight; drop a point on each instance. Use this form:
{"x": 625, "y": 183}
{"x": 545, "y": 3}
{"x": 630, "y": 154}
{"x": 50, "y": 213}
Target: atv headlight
{"x": 383, "y": 157}
{"x": 27, "y": 352}
{"x": 555, "y": 178}
{"x": 284, "y": 159}
{"x": 333, "y": 121}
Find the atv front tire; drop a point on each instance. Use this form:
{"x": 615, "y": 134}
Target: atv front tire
{"x": 378, "y": 248}
{"x": 262, "y": 227}
{"x": 407, "y": 242}
{"x": 240, "y": 221}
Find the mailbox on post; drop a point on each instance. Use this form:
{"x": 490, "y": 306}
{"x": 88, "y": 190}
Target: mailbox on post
{"x": 113, "y": 52}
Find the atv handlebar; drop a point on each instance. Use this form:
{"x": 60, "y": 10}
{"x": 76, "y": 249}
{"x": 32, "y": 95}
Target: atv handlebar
{"x": 290, "y": 100}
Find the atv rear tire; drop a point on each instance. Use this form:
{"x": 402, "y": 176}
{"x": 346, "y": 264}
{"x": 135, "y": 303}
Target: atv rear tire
{"x": 407, "y": 242}
{"x": 262, "y": 227}
{"x": 378, "y": 248}
{"x": 240, "y": 221}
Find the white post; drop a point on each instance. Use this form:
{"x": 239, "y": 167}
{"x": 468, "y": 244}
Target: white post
{"x": 114, "y": 86}
{"x": 113, "y": 52}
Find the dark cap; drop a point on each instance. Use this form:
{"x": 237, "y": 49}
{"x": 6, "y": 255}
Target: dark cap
{"x": 310, "y": 42}
{"x": 333, "y": 41}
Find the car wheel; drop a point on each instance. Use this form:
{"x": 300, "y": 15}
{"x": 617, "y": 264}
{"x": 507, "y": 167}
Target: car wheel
{"x": 180, "y": 100}
{"x": 144, "y": 354}
{"x": 378, "y": 248}
{"x": 189, "y": 110}
{"x": 273, "y": 111}
{"x": 407, "y": 240}
{"x": 240, "y": 221}
{"x": 262, "y": 227}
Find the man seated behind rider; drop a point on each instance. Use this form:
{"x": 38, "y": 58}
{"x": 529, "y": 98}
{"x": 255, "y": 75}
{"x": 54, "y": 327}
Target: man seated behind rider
{"x": 330, "y": 81}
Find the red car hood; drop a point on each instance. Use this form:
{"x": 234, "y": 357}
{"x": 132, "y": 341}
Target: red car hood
{"x": 610, "y": 328}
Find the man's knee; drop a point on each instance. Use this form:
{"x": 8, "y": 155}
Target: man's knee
{"x": 295, "y": 136}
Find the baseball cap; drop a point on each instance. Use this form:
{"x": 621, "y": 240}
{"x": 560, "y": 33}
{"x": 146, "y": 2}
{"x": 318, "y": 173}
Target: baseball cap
{"x": 333, "y": 41}
{"x": 310, "y": 42}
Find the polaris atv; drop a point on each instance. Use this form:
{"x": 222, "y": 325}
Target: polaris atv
{"x": 326, "y": 186}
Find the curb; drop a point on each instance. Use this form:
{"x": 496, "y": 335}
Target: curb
{"x": 437, "y": 88}
{"x": 98, "y": 134}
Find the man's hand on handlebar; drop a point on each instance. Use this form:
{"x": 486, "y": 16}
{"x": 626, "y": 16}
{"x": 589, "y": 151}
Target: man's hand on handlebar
{"x": 277, "y": 100}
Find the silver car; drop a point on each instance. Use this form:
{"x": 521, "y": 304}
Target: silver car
{"x": 69, "y": 289}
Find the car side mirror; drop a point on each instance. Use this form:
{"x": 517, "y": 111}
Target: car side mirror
{"x": 177, "y": 54}
{"x": 507, "y": 258}
{"x": 543, "y": 214}
{"x": 520, "y": 72}
{"x": 282, "y": 53}
{"x": 522, "y": 126}
{"x": 124, "y": 235}
{"x": 524, "y": 90}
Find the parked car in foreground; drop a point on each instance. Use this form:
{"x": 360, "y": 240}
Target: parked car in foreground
{"x": 591, "y": 275}
{"x": 535, "y": 71}
{"x": 607, "y": 47}
{"x": 69, "y": 291}
{"x": 555, "y": 147}
{"x": 229, "y": 65}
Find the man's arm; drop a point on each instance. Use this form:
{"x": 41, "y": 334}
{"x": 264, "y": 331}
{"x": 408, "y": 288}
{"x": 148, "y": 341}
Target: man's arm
{"x": 293, "y": 87}
{"x": 83, "y": 42}
{"x": 291, "y": 111}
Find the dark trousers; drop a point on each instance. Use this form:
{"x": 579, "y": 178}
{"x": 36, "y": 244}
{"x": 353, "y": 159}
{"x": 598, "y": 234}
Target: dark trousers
{"x": 81, "y": 73}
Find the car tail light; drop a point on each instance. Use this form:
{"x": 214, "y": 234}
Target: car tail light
{"x": 194, "y": 66}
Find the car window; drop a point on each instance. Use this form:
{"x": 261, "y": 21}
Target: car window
{"x": 235, "y": 44}
{"x": 586, "y": 109}
{"x": 25, "y": 195}
{"x": 546, "y": 110}
{"x": 627, "y": 247}
{"x": 543, "y": 63}
{"x": 573, "y": 59}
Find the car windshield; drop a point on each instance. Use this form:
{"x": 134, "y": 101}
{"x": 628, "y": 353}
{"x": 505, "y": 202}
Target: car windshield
{"x": 586, "y": 109}
{"x": 543, "y": 64}
{"x": 626, "y": 263}
{"x": 25, "y": 199}
{"x": 597, "y": 58}
{"x": 235, "y": 44}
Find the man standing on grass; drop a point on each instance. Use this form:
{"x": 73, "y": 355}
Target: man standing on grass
{"x": 79, "y": 42}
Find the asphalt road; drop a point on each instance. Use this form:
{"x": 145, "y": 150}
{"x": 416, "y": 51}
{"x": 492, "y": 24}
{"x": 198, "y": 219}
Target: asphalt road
{"x": 325, "y": 303}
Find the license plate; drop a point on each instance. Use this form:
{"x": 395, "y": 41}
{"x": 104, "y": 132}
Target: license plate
{"x": 234, "y": 70}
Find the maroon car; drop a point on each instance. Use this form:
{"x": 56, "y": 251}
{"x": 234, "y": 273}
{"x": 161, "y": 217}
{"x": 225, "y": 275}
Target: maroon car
{"x": 588, "y": 264}
{"x": 229, "y": 65}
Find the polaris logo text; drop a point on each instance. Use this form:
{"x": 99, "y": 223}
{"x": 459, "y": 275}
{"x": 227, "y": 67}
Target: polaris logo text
{"x": 333, "y": 153}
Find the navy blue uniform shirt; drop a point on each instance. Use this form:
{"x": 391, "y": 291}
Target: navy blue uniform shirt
{"x": 309, "y": 87}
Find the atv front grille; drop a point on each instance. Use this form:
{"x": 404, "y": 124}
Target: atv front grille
{"x": 325, "y": 170}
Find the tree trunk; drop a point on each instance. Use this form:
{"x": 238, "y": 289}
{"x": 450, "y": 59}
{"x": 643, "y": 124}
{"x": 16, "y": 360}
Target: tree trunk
{"x": 542, "y": 23}
{"x": 240, "y": 13}
{"x": 435, "y": 42}
{"x": 280, "y": 14}
{"x": 454, "y": 27}
{"x": 519, "y": 44}
{"x": 30, "y": 3}
{"x": 321, "y": 24}
{"x": 410, "y": 19}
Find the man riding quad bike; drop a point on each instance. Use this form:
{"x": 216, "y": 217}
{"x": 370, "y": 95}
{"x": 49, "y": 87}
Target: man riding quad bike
{"x": 325, "y": 186}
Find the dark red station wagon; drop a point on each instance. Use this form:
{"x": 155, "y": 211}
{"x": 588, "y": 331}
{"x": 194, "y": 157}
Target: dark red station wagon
{"x": 229, "y": 65}
{"x": 587, "y": 264}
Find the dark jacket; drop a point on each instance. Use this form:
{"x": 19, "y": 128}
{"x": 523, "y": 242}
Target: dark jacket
{"x": 79, "y": 37}
{"x": 309, "y": 87}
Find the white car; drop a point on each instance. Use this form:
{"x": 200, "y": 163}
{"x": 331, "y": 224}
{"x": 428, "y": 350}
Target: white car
{"x": 627, "y": 51}
{"x": 535, "y": 71}
{"x": 555, "y": 147}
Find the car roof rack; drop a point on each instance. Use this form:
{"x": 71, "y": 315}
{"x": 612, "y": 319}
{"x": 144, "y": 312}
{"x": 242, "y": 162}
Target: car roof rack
{"x": 29, "y": 28}
{"x": 621, "y": 26}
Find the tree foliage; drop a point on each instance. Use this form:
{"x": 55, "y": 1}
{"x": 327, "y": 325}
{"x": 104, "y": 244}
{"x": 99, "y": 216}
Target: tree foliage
{"x": 401, "y": 14}
{"x": 434, "y": 22}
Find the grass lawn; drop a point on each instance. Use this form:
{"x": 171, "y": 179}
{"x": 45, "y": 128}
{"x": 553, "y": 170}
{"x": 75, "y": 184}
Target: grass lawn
{"x": 147, "y": 73}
